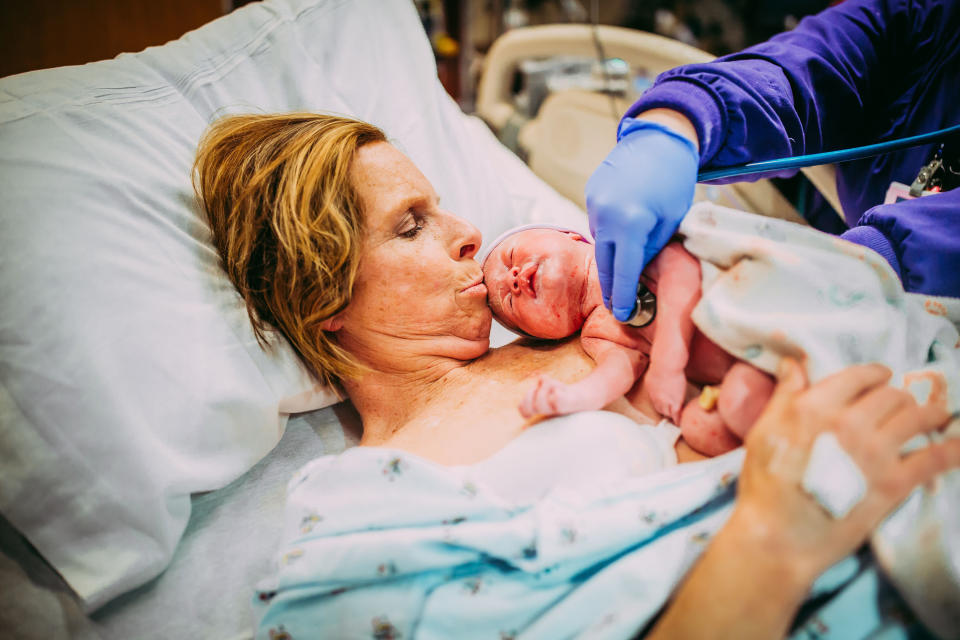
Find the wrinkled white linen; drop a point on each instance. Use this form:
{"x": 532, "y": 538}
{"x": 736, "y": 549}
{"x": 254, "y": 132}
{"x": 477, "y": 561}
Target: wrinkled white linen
{"x": 383, "y": 543}
{"x": 772, "y": 289}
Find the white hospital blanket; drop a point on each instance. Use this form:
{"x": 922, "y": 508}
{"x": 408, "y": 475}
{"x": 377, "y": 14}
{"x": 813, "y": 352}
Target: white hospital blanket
{"x": 384, "y": 544}
{"x": 772, "y": 288}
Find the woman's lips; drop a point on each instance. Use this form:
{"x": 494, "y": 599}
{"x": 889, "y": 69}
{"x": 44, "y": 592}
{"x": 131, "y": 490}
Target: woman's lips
{"x": 477, "y": 288}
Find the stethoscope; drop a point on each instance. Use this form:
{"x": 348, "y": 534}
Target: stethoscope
{"x": 646, "y": 309}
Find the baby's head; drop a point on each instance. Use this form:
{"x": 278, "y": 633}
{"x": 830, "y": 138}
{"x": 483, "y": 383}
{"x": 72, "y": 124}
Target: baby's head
{"x": 536, "y": 280}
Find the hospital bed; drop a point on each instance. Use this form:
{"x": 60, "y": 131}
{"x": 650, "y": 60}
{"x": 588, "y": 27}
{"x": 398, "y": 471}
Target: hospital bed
{"x": 146, "y": 437}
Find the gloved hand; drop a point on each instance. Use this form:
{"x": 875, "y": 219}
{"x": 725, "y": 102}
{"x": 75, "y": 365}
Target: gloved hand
{"x": 636, "y": 199}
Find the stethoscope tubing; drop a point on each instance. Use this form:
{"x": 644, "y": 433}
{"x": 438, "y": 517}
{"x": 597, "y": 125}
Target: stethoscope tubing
{"x": 826, "y": 157}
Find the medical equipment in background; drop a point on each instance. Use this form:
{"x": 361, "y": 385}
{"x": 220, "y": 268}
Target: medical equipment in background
{"x": 575, "y": 125}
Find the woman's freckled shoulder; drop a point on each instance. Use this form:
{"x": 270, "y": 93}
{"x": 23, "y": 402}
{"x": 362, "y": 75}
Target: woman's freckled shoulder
{"x": 525, "y": 356}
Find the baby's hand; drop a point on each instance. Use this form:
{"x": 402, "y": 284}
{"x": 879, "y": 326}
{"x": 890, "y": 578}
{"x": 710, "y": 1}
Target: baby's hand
{"x": 549, "y": 397}
{"x": 667, "y": 393}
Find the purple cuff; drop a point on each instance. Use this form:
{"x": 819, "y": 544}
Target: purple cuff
{"x": 873, "y": 238}
{"x": 694, "y": 99}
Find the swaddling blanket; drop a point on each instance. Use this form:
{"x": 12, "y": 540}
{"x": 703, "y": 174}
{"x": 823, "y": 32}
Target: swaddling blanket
{"x": 773, "y": 289}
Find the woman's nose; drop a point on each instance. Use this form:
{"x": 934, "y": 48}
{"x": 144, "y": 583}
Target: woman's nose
{"x": 467, "y": 239}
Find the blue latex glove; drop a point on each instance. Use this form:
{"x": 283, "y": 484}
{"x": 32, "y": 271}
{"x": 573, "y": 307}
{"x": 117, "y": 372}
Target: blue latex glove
{"x": 636, "y": 199}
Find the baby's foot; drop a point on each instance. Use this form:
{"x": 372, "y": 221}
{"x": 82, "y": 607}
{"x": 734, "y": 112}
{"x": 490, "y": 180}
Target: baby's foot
{"x": 704, "y": 430}
{"x": 550, "y": 397}
{"x": 667, "y": 393}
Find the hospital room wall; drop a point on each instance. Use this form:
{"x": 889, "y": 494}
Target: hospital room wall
{"x": 37, "y": 34}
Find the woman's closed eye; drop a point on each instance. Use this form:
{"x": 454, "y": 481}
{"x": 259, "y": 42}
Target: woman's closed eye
{"x": 415, "y": 228}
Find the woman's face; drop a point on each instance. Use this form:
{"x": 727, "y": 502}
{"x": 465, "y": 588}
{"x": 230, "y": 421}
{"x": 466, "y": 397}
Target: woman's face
{"x": 537, "y": 279}
{"x": 418, "y": 287}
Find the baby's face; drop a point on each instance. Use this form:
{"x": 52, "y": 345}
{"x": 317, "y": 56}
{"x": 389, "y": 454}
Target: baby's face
{"x": 536, "y": 281}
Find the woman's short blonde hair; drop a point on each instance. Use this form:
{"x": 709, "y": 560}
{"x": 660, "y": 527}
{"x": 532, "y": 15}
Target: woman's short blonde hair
{"x": 287, "y": 223}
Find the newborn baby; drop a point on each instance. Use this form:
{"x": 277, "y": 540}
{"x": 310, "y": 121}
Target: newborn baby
{"x": 542, "y": 282}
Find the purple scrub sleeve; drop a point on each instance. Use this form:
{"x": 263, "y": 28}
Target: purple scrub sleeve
{"x": 923, "y": 236}
{"x": 856, "y": 73}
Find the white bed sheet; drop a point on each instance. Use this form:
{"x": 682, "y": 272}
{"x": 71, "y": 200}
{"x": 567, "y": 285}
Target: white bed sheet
{"x": 230, "y": 543}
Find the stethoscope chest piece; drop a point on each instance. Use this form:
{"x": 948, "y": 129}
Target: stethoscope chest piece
{"x": 646, "y": 309}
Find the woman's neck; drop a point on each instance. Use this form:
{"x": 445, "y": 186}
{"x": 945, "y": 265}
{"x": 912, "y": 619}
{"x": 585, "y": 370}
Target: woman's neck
{"x": 387, "y": 401}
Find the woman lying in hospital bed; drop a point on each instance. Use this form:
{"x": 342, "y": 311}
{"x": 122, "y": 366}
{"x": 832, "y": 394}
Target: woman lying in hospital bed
{"x": 455, "y": 517}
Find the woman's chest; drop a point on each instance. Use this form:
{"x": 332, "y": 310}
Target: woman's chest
{"x": 473, "y": 421}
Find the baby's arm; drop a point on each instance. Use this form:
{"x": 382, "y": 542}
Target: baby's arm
{"x": 677, "y": 273}
{"x": 617, "y": 369}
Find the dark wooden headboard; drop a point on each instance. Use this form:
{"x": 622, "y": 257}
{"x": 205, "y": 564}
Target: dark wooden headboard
{"x": 36, "y": 34}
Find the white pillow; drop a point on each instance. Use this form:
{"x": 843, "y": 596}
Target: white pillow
{"x": 129, "y": 373}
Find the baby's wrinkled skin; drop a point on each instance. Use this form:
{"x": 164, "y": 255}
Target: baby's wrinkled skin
{"x": 543, "y": 282}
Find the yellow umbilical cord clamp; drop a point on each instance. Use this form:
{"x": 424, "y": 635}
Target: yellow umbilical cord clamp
{"x": 708, "y": 398}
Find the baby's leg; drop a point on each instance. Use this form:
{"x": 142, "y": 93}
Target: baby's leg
{"x": 703, "y": 429}
{"x": 744, "y": 393}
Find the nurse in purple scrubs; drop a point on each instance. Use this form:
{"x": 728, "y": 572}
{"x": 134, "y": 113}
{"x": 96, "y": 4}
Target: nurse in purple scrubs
{"x": 857, "y": 73}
